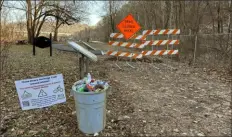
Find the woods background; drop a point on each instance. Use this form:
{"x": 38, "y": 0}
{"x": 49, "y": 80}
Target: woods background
{"x": 205, "y": 26}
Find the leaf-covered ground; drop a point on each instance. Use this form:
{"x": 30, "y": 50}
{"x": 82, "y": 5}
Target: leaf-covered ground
{"x": 149, "y": 99}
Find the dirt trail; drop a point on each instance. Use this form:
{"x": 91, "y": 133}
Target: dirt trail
{"x": 171, "y": 98}
{"x": 182, "y": 102}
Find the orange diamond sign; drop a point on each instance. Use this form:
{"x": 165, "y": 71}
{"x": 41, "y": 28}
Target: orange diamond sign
{"x": 128, "y": 26}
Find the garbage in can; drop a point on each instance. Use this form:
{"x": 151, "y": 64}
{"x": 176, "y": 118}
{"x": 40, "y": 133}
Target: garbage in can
{"x": 90, "y": 102}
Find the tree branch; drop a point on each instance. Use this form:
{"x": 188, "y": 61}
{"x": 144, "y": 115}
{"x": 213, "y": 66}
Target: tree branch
{"x": 1, "y": 4}
{"x": 13, "y": 7}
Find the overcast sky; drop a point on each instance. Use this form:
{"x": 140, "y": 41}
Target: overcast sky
{"x": 96, "y": 11}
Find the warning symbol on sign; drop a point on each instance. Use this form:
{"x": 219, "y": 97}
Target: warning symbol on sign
{"x": 26, "y": 95}
{"x": 42, "y": 93}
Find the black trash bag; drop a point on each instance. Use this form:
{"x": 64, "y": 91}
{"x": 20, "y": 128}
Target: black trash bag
{"x": 42, "y": 42}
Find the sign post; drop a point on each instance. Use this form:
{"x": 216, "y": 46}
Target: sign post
{"x": 86, "y": 56}
{"x": 51, "y": 44}
{"x": 33, "y": 42}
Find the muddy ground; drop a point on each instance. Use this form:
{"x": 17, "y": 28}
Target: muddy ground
{"x": 166, "y": 97}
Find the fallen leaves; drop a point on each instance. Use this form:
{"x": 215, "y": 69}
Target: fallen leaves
{"x": 143, "y": 100}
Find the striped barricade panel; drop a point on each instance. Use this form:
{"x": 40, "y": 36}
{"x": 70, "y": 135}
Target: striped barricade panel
{"x": 160, "y": 52}
{"x": 145, "y": 43}
{"x": 116, "y": 35}
{"x": 126, "y": 44}
{"x": 119, "y": 36}
{"x": 124, "y": 54}
{"x": 162, "y": 32}
{"x": 161, "y": 42}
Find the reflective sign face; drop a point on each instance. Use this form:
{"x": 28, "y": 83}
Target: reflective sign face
{"x": 128, "y": 26}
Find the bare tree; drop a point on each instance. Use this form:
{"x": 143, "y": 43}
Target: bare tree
{"x": 4, "y": 47}
{"x": 1, "y": 3}
{"x": 29, "y": 22}
{"x": 230, "y": 16}
{"x": 68, "y": 14}
{"x": 112, "y": 7}
{"x": 35, "y": 17}
{"x": 38, "y": 11}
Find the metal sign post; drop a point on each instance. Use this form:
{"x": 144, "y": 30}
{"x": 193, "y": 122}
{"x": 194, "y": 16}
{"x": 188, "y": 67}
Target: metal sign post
{"x": 33, "y": 42}
{"x": 84, "y": 66}
{"x": 81, "y": 64}
{"x": 51, "y": 44}
{"x": 84, "y": 59}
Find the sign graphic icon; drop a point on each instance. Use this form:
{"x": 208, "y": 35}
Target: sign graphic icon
{"x": 58, "y": 89}
{"x": 42, "y": 93}
{"x": 128, "y": 26}
{"x": 60, "y": 96}
{"x": 26, "y": 95}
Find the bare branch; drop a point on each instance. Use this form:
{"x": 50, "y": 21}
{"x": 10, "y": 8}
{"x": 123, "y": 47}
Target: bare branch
{"x": 1, "y": 3}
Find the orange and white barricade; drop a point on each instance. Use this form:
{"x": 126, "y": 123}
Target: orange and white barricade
{"x": 124, "y": 54}
{"x": 143, "y": 43}
{"x": 162, "y": 32}
{"x": 160, "y": 52}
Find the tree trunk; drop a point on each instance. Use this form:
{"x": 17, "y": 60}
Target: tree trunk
{"x": 111, "y": 17}
{"x": 229, "y": 50}
{"x": 176, "y": 17}
{"x": 56, "y": 30}
{"x": 29, "y": 22}
{"x": 168, "y": 13}
{"x": 219, "y": 23}
{"x": 55, "y": 37}
{"x": 34, "y": 22}
{"x": 40, "y": 26}
{"x": 180, "y": 17}
{"x": 145, "y": 15}
{"x": 230, "y": 17}
{"x": 183, "y": 20}
{"x": 1, "y": 2}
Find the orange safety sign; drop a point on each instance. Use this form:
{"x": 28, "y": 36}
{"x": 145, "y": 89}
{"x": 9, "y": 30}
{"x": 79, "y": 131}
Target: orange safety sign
{"x": 128, "y": 26}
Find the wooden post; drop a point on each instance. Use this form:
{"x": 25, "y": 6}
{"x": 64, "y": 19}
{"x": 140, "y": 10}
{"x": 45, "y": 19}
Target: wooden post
{"x": 84, "y": 66}
{"x": 51, "y": 44}
{"x": 81, "y": 65}
{"x": 33, "y": 42}
{"x": 87, "y": 66}
{"x": 195, "y": 50}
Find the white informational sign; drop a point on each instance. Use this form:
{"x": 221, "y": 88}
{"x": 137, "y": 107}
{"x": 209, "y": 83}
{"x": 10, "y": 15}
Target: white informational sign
{"x": 41, "y": 92}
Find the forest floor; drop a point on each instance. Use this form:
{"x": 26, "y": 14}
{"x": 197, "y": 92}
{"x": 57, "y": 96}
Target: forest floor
{"x": 148, "y": 98}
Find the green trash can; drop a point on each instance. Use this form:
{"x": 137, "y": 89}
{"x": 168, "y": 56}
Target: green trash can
{"x": 90, "y": 110}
